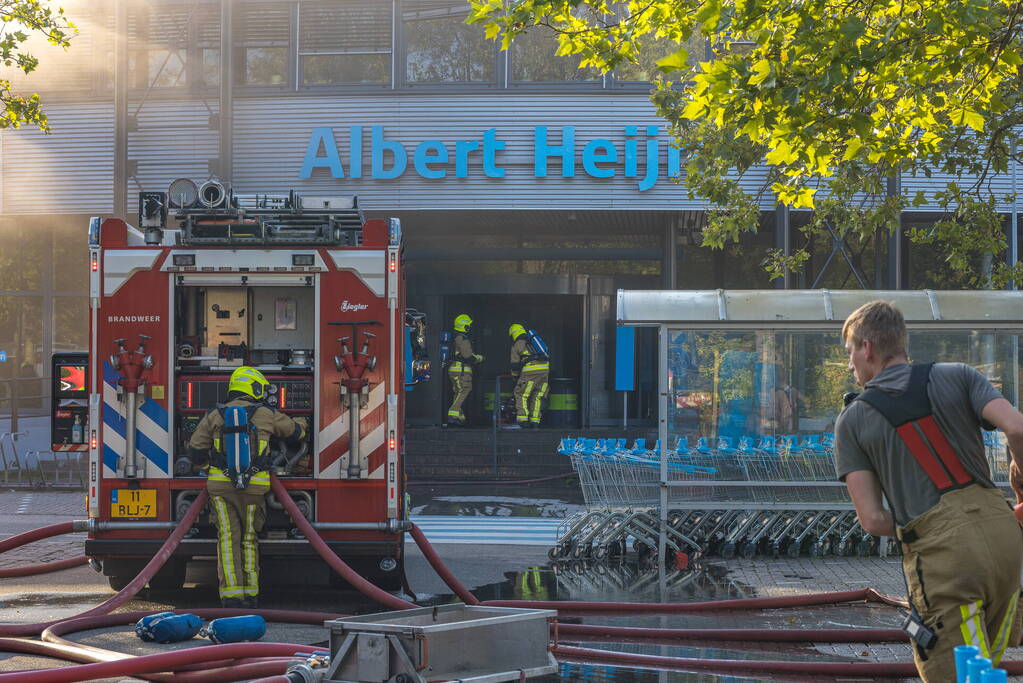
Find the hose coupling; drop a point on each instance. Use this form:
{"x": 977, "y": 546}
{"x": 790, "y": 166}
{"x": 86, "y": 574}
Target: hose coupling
{"x": 311, "y": 669}
{"x": 395, "y": 526}
{"x": 87, "y": 525}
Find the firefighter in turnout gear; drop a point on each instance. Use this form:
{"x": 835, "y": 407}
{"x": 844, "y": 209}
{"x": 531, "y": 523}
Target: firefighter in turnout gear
{"x": 461, "y": 368}
{"x": 237, "y": 499}
{"x": 532, "y": 370}
{"x": 913, "y": 436}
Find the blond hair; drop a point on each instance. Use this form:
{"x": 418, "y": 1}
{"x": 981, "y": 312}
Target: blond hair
{"x": 882, "y": 324}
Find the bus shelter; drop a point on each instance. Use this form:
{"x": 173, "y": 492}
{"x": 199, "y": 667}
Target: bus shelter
{"x": 750, "y": 385}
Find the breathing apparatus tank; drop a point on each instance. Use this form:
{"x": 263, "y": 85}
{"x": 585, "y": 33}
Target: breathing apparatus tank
{"x": 446, "y": 339}
{"x": 235, "y": 629}
{"x": 168, "y": 627}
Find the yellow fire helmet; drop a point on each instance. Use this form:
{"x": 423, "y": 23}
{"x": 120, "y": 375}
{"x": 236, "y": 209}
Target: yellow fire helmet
{"x": 462, "y": 323}
{"x": 249, "y": 381}
{"x": 515, "y": 330}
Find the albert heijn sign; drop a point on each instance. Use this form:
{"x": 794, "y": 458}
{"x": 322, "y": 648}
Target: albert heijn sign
{"x": 637, "y": 155}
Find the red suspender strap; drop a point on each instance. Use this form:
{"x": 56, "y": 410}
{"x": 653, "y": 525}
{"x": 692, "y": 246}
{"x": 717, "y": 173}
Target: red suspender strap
{"x": 944, "y": 450}
{"x": 911, "y": 416}
{"x": 924, "y": 456}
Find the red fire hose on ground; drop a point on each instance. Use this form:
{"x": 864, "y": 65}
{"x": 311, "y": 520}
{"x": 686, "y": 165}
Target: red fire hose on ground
{"x": 234, "y": 662}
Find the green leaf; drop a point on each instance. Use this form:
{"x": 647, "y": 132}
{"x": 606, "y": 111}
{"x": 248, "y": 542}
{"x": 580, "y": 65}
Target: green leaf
{"x": 676, "y": 61}
{"x": 761, "y": 70}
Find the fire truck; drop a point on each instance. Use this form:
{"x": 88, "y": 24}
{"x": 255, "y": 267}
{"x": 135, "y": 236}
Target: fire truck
{"x": 305, "y": 289}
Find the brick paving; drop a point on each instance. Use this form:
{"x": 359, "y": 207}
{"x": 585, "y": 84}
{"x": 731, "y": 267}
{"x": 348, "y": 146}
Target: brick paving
{"x": 64, "y": 504}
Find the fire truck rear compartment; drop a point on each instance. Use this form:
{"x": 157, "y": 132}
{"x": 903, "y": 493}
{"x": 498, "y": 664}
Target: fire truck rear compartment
{"x": 268, "y": 327}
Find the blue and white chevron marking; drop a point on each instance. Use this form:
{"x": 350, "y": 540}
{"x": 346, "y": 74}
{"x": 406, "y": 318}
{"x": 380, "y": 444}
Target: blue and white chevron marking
{"x": 488, "y": 530}
{"x": 152, "y": 436}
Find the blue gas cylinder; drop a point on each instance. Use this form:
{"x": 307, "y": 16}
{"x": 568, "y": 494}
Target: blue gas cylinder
{"x": 236, "y": 629}
{"x": 446, "y": 339}
{"x": 167, "y": 627}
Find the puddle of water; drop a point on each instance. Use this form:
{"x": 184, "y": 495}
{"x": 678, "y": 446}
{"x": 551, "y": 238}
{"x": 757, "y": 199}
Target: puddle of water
{"x": 493, "y": 506}
{"x": 583, "y": 580}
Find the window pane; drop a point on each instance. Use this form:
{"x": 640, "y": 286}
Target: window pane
{"x": 166, "y": 68}
{"x": 533, "y": 59}
{"x": 158, "y": 38}
{"x": 210, "y": 66}
{"x": 653, "y": 49}
{"x": 70, "y": 323}
{"x": 345, "y": 41}
{"x": 264, "y": 37}
{"x": 70, "y": 256}
{"x": 265, "y": 65}
{"x": 323, "y": 69}
{"x": 21, "y": 335}
{"x": 441, "y": 48}
{"x": 21, "y": 268}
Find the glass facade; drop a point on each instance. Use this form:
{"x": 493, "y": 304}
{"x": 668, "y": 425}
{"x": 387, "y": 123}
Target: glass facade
{"x": 44, "y": 305}
{"x": 766, "y": 383}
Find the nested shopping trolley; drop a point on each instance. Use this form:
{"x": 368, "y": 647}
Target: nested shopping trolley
{"x": 730, "y": 500}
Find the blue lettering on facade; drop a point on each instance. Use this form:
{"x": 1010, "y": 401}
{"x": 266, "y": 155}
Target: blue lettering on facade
{"x": 637, "y": 157}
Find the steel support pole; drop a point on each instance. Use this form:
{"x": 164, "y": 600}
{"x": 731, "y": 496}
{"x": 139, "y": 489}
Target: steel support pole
{"x": 669, "y": 262}
{"x": 783, "y": 242}
{"x": 120, "y": 197}
{"x": 896, "y": 255}
{"x": 662, "y": 435}
{"x": 226, "y": 117}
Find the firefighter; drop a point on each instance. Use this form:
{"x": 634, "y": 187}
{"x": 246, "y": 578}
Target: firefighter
{"x": 239, "y": 506}
{"x": 914, "y": 437}
{"x": 460, "y": 370}
{"x": 532, "y": 370}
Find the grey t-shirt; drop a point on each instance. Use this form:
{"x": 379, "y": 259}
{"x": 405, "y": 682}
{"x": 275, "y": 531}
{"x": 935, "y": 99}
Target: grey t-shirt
{"x": 865, "y": 441}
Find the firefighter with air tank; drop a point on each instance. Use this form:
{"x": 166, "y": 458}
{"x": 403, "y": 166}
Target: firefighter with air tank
{"x": 231, "y": 442}
{"x": 464, "y": 362}
{"x": 531, "y": 366}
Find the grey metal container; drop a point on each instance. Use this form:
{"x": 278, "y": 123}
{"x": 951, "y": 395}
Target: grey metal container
{"x": 449, "y": 642}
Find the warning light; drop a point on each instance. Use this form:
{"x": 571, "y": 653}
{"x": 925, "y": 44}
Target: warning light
{"x": 93, "y": 442}
{"x": 393, "y": 264}
{"x": 189, "y": 400}
{"x": 391, "y": 442}
{"x": 94, "y": 262}
{"x": 284, "y": 397}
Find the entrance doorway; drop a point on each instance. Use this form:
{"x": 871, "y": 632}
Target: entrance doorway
{"x": 557, "y": 318}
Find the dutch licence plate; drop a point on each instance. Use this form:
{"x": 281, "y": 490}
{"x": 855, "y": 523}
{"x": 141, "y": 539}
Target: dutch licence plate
{"x": 133, "y": 503}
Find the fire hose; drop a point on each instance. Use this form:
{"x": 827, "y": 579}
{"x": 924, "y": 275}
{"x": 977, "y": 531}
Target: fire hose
{"x": 231, "y": 662}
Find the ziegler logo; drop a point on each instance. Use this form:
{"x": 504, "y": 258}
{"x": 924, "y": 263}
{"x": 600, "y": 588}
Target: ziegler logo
{"x": 133, "y": 318}
{"x": 346, "y": 306}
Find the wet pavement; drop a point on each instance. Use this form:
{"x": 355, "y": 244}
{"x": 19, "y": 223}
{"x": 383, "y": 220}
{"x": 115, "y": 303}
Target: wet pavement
{"x": 493, "y": 571}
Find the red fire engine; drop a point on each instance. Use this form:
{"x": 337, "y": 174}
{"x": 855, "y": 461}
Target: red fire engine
{"x": 303, "y": 288}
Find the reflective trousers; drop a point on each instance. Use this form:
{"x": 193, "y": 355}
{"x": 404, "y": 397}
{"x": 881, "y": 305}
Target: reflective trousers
{"x": 461, "y": 387}
{"x": 530, "y": 391}
{"x": 239, "y": 516}
{"x": 963, "y": 573}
